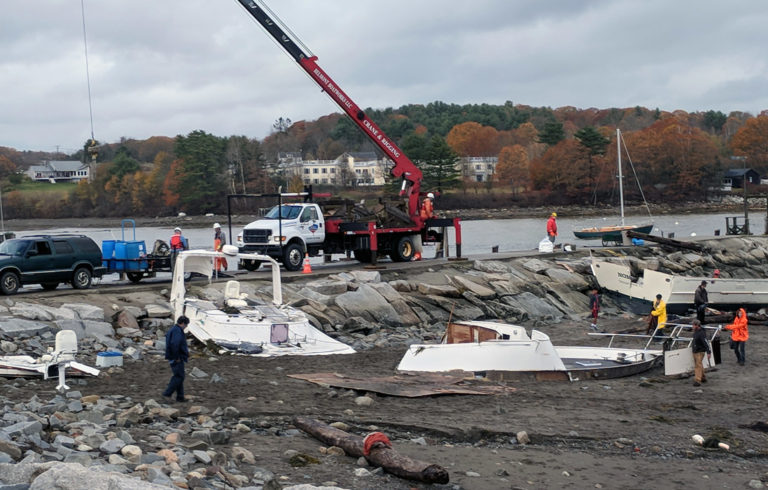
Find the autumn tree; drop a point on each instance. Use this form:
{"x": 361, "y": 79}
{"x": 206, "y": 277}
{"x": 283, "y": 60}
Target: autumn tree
{"x": 513, "y": 168}
{"x": 246, "y": 166}
{"x": 563, "y": 170}
{"x": 471, "y": 139}
{"x": 595, "y": 143}
{"x": 751, "y": 141}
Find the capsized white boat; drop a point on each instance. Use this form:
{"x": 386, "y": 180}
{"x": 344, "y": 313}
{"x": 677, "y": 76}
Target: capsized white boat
{"x": 247, "y": 326}
{"x": 504, "y": 351}
{"x": 640, "y": 291}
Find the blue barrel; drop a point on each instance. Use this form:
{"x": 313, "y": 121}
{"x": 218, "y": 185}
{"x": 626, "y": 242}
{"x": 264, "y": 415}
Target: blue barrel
{"x": 107, "y": 249}
{"x": 121, "y": 251}
{"x": 135, "y": 250}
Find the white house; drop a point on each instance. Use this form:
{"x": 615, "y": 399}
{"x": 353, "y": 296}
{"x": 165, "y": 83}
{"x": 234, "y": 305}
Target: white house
{"x": 59, "y": 171}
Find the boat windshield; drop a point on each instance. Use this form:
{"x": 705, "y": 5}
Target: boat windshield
{"x": 284, "y": 212}
{"x": 14, "y": 247}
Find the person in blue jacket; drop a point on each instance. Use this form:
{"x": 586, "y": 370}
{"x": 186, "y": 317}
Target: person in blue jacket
{"x": 177, "y": 354}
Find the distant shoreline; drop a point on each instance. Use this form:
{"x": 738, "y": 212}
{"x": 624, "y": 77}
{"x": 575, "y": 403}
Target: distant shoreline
{"x": 467, "y": 214}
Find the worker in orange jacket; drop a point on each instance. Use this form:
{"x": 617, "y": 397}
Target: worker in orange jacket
{"x": 427, "y": 207}
{"x": 552, "y": 227}
{"x": 219, "y": 240}
{"x": 739, "y": 335}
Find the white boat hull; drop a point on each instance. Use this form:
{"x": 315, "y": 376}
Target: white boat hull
{"x": 678, "y": 291}
{"x": 520, "y": 354}
{"x": 265, "y": 330}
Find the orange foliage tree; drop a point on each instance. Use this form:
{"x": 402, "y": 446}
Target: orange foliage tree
{"x": 751, "y": 141}
{"x": 563, "y": 170}
{"x": 471, "y": 139}
{"x": 513, "y": 168}
{"x": 679, "y": 160}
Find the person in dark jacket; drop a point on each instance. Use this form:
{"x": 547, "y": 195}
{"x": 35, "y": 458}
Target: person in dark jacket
{"x": 700, "y": 300}
{"x": 700, "y": 347}
{"x": 177, "y": 354}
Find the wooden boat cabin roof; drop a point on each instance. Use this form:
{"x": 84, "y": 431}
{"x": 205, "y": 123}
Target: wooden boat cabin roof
{"x": 479, "y": 331}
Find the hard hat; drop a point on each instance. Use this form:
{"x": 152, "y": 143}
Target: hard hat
{"x": 216, "y": 225}
{"x": 431, "y": 196}
{"x": 177, "y": 229}
{"x": 554, "y": 214}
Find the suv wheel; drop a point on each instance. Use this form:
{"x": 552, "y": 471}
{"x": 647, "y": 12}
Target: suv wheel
{"x": 9, "y": 283}
{"x": 82, "y": 278}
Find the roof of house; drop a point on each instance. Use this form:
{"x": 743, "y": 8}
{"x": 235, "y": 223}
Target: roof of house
{"x": 737, "y": 172}
{"x": 58, "y": 166}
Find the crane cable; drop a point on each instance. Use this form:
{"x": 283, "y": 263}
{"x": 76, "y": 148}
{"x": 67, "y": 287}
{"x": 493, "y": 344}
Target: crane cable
{"x": 92, "y": 145}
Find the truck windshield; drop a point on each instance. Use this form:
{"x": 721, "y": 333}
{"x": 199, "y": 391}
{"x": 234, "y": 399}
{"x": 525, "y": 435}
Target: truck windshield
{"x": 286, "y": 212}
{"x": 14, "y": 247}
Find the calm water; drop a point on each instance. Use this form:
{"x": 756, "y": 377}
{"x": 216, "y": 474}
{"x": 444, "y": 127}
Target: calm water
{"x": 478, "y": 236}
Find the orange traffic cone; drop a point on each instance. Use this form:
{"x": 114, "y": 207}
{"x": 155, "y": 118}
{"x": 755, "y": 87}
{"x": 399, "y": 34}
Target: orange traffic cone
{"x": 307, "y": 268}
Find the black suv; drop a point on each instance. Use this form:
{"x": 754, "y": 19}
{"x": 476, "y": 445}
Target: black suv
{"x": 49, "y": 260}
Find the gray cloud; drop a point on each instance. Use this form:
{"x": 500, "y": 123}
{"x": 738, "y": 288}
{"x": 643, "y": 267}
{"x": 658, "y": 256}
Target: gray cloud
{"x": 167, "y": 68}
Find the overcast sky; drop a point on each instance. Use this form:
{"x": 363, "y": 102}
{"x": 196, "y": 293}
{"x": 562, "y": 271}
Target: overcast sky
{"x": 168, "y": 67}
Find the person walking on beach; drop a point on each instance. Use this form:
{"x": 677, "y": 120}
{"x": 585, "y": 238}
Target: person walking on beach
{"x": 739, "y": 335}
{"x": 594, "y": 306}
{"x": 659, "y": 313}
{"x": 700, "y": 347}
{"x": 552, "y": 227}
{"x": 177, "y": 354}
{"x": 700, "y": 300}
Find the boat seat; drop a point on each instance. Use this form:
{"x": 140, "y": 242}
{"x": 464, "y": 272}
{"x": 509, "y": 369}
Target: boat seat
{"x": 233, "y": 297}
{"x": 65, "y": 347}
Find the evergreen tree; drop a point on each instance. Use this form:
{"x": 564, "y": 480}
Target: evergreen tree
{"x": 552, "y": 133}
{"x": 440, "y": 166}
{"x": 201, "y": 178}
{"x": 593, "y": 140}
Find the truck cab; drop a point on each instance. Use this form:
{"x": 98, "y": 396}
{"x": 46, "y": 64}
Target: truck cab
{"x": 286, "y": 233}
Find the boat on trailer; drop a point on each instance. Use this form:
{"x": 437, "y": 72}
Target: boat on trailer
{"x": 637, "y": 292}
{"x": 244, "y": 325}
{"x": 502, "y": 351}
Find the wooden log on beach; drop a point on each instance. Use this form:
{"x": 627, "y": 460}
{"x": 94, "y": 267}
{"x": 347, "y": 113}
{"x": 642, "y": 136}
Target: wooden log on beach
{"x": 666, "y": 241}
{"x": 387, "y": 458}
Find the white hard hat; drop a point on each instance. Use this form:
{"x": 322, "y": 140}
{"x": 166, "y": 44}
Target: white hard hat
{"x": 216, "y": 225}
{"x": 177, "y": 229}
{"x": 431, "y": 196}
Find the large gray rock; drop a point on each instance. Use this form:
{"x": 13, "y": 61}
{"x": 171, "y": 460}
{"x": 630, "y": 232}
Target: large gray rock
{"x": 86, "y": 311}
{"x": 468, "y": 284}
{"x": 31, "y": 312}
{"x": 20, "y": 328}
{"x": 366, "y": 302}
{"x": 536, "y": 307}
{"x": 567, "y": 278}
{"x": 407, "y": 317}
{"x": 87, "y": 328}
{"x": 74, "y": 476}
{"x": 160, "y": 311}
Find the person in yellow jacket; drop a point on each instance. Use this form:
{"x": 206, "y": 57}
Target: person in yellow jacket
{"x": 739, "y": 335}
{"x": 660, "y": 313}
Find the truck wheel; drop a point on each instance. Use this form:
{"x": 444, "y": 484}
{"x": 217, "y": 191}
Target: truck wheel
{"x": 9, "y": 283}
{"x": 250, "y": 265}
{"x": 363, "y": 256}
{"x": 135, "y": 277}
{"x": 82, "y": 278}
{"x": 404, "y": 251}
{"x": 50, "y": 286}
{"x": 293, "y": 256}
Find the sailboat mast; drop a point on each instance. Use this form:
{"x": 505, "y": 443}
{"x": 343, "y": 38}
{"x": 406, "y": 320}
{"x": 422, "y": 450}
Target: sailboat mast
{"x": 621, "y": 184}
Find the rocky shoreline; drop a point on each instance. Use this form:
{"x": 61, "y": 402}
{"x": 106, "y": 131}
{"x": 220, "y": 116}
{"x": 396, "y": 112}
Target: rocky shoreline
{"x": 115, "y": 431}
